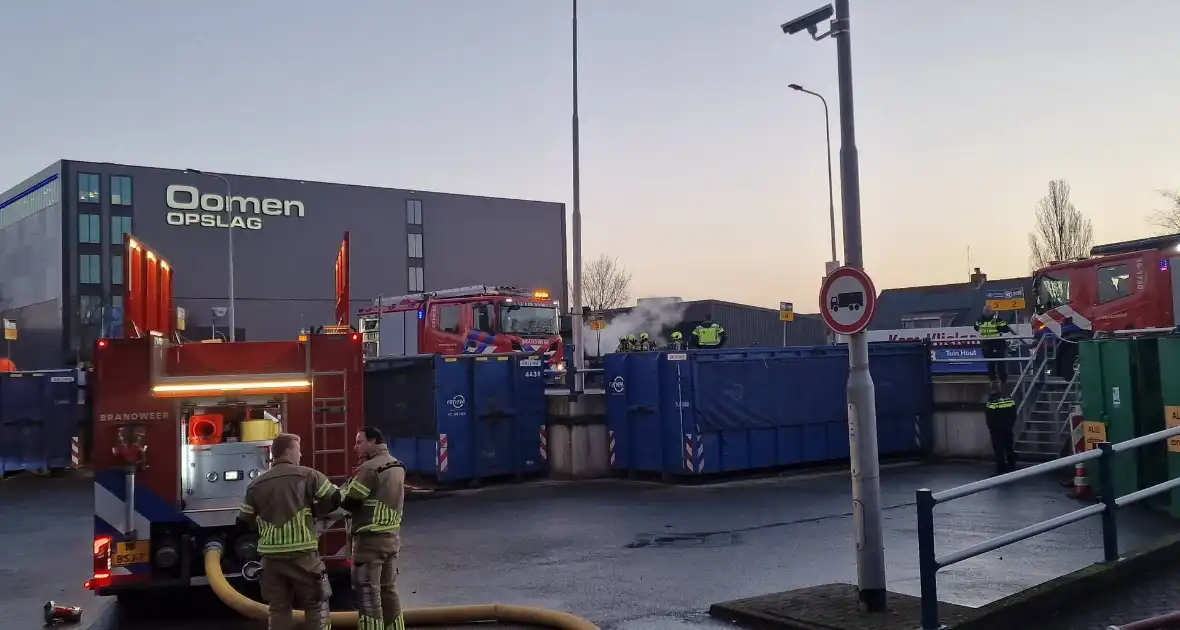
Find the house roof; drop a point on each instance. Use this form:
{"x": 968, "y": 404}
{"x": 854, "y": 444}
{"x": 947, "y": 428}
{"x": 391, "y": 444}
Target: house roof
{"x": 964, "y": 301}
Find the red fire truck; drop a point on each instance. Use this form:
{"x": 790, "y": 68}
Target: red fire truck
{"x": 180, "y": 430}
{"x": 476, "y": 319}
{"x": 1121, "y": 286}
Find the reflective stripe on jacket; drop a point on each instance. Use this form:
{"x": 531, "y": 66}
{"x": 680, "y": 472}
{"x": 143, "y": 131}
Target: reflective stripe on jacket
{"x": 708, "y": 336}
{"x": 379, "y": 486}
{"x": 281, "y": 504}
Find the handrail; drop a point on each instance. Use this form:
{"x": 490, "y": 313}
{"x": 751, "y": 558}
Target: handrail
{"x": 930, "y": 563}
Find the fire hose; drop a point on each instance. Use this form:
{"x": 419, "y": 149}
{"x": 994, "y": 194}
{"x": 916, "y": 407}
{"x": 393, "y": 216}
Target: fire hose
{"x": 433, "y": 616}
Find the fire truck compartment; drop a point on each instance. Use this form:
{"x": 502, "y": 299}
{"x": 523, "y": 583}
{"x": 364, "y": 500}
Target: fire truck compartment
{"x": 226, "y": 445}
{"x": 461, "y": 418}
{"x": 38, "y": 420}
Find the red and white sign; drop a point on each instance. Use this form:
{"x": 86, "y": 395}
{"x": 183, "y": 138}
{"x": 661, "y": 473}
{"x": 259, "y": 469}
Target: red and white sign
{"x": 847, "y": 300}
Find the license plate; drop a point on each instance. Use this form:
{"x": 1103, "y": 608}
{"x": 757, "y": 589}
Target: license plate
{"x": 137, "y": 552}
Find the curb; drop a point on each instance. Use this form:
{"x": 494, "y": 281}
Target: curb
{"x": 1033, "y": 604}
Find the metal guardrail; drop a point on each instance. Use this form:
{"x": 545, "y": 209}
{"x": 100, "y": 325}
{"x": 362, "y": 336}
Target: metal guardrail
{"x": 930, "y": 563}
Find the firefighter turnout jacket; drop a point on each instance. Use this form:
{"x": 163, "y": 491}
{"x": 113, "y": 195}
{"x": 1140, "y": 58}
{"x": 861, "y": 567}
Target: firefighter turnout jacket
{"x": 282, "y": 503}
{"x": 711, "y": 336}
{"x": 375, "y": 496}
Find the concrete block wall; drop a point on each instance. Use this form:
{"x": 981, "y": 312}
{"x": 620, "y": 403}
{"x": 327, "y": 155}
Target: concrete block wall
{"x": 960, "y": 427}
{"x": 578, "y": 438}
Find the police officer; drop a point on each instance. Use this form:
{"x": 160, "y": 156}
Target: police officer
{"x": 1001, "y": 422}
{"x": 677, "y": 341}
{"x": 708, "y": 334}
{"x": 990, "y": 327}
{"x": 281, "y": 505}
{"x": 624, "y": 345}
{"x": 375, "y": 496}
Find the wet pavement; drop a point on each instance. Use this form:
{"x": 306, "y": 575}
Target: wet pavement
{"x": 626, "y": 555}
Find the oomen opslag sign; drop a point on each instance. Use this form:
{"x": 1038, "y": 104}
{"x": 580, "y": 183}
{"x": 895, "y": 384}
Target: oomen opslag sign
{"x": 187, "y": 205}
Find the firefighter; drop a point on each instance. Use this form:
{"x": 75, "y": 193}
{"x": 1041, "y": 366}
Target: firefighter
{"x": 375, "y": 496}
{"x": 990, "y": 327}
{"x": 624, "y": 345}
{"x": 677, "y": 341}
{"x": 281, "y": 505}
{"x": 645, "y": 343}
{"x": 708, "y": 334}
{"x": 1001, "y": 423}
{"x": 632, "y": 343}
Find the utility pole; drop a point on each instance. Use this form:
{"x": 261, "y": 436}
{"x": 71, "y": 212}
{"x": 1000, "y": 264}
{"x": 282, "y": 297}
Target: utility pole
{"x": 862, "y": 403}
{"x": 576, "y": 318}
{"x": 229, "y": 194}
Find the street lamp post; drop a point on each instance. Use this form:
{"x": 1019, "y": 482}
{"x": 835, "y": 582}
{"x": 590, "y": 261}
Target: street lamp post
{"x": 831, "y": 195}
{"x": 230, "y": 231}
{"x": 576, "y": 315}
{"x": 862, "y": 408}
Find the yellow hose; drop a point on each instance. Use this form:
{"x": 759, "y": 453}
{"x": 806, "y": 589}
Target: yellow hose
{"x": 434, "y": 616}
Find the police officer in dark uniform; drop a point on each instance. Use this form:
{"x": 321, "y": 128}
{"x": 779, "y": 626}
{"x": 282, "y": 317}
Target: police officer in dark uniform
{"x": 1000, "y": 412}
{"x": 991, "y": 327}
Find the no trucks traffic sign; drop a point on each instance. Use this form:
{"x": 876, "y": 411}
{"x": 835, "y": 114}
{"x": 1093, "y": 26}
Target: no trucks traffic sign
{"x": 847, "y": 300}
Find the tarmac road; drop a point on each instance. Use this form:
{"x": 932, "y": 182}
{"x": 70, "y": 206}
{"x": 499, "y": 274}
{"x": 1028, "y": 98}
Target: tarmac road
{"x": 626, "y": 555}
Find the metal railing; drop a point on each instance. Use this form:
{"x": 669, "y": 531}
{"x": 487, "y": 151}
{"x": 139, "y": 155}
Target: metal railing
{"x": 930, "y": 563}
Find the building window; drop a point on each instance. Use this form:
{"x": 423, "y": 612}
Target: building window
{"x": 89, "y": 271}
{"x": 927, "y": 320}
{"x": 89, "y": 309}
{"x": 89, "y": 230}
{"x": 1113, "y": 283}
{"x": 119, "y": 227}
{"x": 116, "y": 269}
{"x": 88, "y": 188}
{"x": 414, "y": 245}
{"x": 120, "y": 190}
{"x": 414, "y": 211}
{"x": 448, "y": 318}
{"x": 416, "y": 279}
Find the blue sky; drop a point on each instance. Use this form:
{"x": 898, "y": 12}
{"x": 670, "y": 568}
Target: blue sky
{"x": 701, "y": 171}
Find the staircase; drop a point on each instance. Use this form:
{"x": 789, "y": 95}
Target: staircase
{"x": 1045, "y": 402}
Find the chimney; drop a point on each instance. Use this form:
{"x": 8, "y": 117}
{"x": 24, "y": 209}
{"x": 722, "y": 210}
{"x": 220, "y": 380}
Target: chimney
{"x": 978, "y": 278}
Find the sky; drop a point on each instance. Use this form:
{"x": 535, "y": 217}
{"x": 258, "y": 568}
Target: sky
{"x": 702, "y": 172}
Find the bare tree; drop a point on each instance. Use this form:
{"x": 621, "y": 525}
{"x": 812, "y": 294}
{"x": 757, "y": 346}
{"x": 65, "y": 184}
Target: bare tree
{"x": 1168, "y": 221}
{"x": 1062, "y": 232}
{"x": 605, "y": 284}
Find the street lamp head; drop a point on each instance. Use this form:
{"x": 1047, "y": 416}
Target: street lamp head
{"x": 796, "y": 87}
{"x": 810, "y": 21}
{"x": 193, "y": 171}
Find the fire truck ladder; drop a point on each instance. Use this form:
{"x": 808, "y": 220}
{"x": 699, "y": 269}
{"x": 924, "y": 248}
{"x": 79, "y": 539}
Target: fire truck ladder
{"x": 1045, "y": 402}
{"x": 476, "y": 289}
{"x": 329, "y": 435}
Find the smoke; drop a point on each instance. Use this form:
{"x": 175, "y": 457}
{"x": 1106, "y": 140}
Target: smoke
{"x": 650, "y": 315}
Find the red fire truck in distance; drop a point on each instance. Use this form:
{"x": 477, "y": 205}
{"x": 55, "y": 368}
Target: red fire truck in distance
{"x": 180, "y": 430}
{"x": 476, "y": 319}
{"x": 1121, "y": 286}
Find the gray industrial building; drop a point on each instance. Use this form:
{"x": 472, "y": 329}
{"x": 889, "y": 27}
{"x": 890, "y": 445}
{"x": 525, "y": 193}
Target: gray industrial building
{"x": 62, "y": 237}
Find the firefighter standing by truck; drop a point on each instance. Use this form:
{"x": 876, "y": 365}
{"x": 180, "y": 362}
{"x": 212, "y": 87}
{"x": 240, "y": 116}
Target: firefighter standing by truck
{"x": 1001, "y": 423}
{"x": 281, "y": 505}
{"x": 991, "y": 327}
{"x": 375, "y": 496}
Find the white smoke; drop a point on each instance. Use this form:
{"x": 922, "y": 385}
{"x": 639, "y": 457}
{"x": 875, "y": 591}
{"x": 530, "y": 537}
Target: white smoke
{"x": 650, "y": 315}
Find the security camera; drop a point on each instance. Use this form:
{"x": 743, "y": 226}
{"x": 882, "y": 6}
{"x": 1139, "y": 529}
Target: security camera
{"x": 809, "y": 21}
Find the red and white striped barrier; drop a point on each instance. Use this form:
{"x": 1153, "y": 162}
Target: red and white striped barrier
{"x": 442, "y": 452}
{"x": 611, "y": 447}
{"x": 544, "y": 433}
{"x": 1077, "y": 434}
{"x": 694, "y": 453}
{"x": 76, "y": 452}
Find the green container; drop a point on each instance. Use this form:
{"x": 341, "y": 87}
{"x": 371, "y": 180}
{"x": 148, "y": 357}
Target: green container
{"x": 1169, "y": 355}
{"x": 1120, "y": 387}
